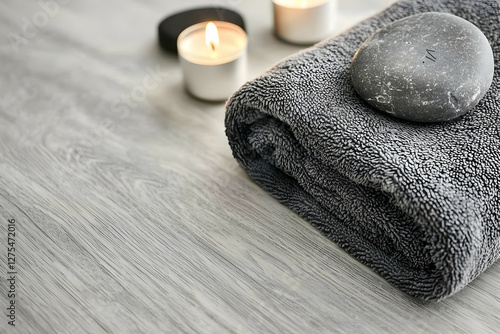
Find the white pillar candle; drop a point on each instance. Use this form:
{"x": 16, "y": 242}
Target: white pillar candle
{"x": 304, "y": 21}
{"x": 213, "y": 59}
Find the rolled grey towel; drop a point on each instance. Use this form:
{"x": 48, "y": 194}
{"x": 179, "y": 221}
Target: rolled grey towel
{"x": 418, "y": 203}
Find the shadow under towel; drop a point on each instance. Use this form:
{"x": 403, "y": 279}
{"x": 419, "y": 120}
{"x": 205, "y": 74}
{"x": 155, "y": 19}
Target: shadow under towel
{"x": 418, "y": 203}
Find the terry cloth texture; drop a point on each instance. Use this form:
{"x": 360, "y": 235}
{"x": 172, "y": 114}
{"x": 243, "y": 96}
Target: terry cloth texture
{"x": 418, "y": 203}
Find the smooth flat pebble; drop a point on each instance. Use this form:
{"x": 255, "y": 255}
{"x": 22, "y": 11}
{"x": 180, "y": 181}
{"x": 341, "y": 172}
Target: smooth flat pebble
{"x": 427, "y": 67}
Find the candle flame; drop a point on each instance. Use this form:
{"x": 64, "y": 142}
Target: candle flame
{"x": 211, "y": 36}
{"x": 303, "y": 3}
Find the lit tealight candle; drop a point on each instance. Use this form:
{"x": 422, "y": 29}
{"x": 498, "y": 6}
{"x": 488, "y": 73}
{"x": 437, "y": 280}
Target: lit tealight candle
{"x": 304, "y": 21}
{"x": 213, "y": 59}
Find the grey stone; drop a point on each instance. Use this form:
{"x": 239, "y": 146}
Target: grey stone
{"x": 427, "y": 67}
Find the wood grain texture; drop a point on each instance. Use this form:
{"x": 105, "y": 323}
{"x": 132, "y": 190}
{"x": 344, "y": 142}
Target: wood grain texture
{"x": 133, "y": 217}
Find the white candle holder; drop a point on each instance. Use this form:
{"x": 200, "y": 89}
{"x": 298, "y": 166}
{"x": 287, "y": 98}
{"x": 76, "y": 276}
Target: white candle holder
{"x": 304, "y": 21}
{"x": 212, "y": 71}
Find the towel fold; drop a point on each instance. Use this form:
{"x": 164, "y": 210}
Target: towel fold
{"x": 418, "y": 203}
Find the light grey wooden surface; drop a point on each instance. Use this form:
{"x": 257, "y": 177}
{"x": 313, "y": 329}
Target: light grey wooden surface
{"x": 133, "y": 217}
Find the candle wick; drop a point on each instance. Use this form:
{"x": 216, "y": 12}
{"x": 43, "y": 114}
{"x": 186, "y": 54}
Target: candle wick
{"x": 212, "y": 45}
